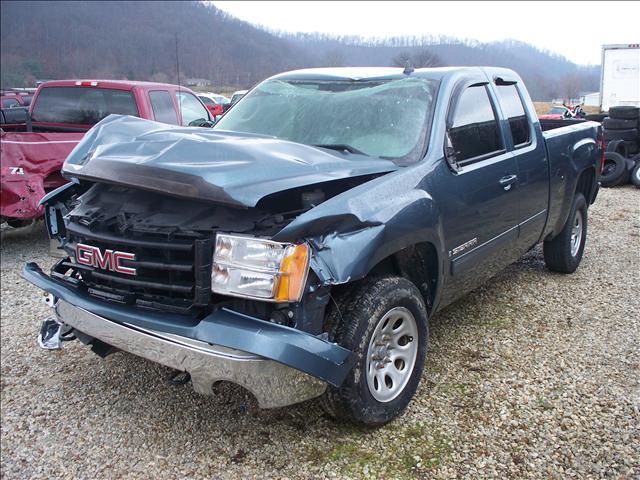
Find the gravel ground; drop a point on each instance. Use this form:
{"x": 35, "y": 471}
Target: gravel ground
{"x": 536, "y": 375}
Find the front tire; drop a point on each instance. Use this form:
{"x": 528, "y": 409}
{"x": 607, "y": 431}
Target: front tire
{"x": 635, "y": 175}
{"x": 384, "y": 322}
{"x": 564, "y": 252}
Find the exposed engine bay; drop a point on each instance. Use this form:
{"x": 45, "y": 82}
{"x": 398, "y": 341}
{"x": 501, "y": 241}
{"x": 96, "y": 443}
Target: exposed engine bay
{"x": 155, "y": 251}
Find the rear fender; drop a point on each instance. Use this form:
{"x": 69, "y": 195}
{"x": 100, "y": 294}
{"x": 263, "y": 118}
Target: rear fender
{"x": 30, "y": 162}
{"x": 572, "y": 150}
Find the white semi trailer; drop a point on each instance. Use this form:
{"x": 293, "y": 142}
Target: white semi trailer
{"x": 620, "y": 76}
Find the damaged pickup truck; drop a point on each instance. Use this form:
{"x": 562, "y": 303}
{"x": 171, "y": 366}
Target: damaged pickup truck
{"x": 300, "y": 247}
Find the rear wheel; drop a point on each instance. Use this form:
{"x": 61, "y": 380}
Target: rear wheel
{"x": 384, "y": 322}
{"x": 564, "y": 252}
{"x": 624, "y": 112}
{"x": 635, "y": 175}
{"x": 628, "y": 134}
{"x": 614, "y": 169}
{"x": 618, "y": 123}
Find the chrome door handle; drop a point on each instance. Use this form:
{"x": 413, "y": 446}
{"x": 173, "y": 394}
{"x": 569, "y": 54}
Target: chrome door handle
{"x": 507, "y": 181}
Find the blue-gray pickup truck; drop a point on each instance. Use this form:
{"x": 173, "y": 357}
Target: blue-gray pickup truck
{"x": 300, "y": 246}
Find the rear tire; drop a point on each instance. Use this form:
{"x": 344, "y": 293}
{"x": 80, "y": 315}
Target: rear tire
{"x": 564, "y": 252}
{"x": 629, "y": 134}
{"x": 635, "y": 175}
{"x": 371, "y": 320}
{"x": 624, "y": 112}
{"x": 618, "y": 123}
{"x": 613, "y": 172}
{"x": 596, "y": 117}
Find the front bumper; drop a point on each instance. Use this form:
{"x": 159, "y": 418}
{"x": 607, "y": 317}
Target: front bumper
{"x": 273, "y": 384}
{"x": 275, "y": 363}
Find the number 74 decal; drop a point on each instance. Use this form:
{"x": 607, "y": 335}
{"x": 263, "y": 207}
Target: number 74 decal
{"x": 16, "y": 171}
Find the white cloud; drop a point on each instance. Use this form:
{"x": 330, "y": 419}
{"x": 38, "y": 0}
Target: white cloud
{"x": 576, "y": 30}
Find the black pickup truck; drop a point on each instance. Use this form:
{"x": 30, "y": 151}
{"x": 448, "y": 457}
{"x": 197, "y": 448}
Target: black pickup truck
{"x": 300, "y": 247}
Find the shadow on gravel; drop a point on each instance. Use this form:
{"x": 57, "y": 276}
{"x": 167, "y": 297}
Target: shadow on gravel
{"x": 11, "y": 236}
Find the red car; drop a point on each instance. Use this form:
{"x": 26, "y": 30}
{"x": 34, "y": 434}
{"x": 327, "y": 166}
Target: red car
{"x": 562, "y": 112}
{"x": 213, "y": 102}
{"x": 557, "y": 112}
{"x": 59, "y": 115}
{"x": 13, "y": 99}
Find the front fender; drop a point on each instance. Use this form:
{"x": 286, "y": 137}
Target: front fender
{"x": 354, "y": 231}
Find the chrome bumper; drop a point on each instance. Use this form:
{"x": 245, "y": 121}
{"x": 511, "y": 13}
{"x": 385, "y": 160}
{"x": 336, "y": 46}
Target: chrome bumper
{"x": 272, "y": 383}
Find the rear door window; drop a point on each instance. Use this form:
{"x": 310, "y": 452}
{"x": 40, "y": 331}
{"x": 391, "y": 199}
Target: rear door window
{"x": 475, "y": 133}
{"x": 191, "y": 109}
{"x": 81, "y": 105}
{"x": 10, "y": 103}
{"x": 514, "y": 111}
{"x": 162, "y": 106}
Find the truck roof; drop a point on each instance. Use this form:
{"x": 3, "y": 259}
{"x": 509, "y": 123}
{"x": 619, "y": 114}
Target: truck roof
{"x": 115, "y": 84}
{"x": 378, "y": 73}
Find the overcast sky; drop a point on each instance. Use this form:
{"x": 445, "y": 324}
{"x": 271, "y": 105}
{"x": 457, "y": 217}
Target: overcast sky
{"x": 576, "y": 30}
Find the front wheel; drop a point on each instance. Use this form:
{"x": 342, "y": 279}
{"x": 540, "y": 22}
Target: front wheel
{"x": 564, "y": 252}
{"x": 384, "y": 322}
{"x": 635, "y": 175}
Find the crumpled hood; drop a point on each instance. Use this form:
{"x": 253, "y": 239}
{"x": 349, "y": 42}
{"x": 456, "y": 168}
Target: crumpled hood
{"x": 212, "y": 165}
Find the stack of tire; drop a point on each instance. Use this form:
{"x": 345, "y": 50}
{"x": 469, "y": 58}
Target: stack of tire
{"x": 622, "y": 140}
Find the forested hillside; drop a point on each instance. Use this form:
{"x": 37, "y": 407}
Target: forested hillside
{"x": 137, "y": 40}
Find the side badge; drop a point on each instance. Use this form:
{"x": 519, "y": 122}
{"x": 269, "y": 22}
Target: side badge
{"x": 463, "y": 247}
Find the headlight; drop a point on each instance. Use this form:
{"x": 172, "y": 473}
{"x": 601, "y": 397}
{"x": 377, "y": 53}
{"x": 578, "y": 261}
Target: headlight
{"x": 261, "y": 269}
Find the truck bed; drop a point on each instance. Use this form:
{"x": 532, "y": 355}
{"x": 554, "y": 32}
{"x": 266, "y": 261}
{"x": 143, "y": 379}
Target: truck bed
{"x": 566, "y": 162}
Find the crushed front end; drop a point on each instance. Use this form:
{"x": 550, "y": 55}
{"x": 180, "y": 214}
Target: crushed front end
{"x": 196, "y": 286}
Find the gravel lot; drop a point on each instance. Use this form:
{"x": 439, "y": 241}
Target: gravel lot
{"x": 536, "y": 375}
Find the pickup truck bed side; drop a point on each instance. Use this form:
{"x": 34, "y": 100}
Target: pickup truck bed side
{"x": 30, "y": 167}
{"x": 568, "y": 166}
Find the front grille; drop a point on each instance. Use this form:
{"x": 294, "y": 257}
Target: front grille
{"x": 173, "y": 270}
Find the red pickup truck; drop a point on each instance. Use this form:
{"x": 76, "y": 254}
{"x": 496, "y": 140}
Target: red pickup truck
{"x": 58, "y": 117}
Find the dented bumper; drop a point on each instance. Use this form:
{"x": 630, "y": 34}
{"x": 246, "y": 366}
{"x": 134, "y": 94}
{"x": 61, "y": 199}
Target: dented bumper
{"x": 278, "y": 364}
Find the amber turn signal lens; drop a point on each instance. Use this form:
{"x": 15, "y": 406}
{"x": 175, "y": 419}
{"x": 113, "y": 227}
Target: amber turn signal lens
{"x": 293, "y": 274}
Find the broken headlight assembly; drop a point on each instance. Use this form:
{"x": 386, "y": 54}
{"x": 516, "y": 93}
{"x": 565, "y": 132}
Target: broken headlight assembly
{"x": 251, "y": 267}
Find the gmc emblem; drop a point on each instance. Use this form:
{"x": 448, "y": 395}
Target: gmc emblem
{"x": 109, "y": 260}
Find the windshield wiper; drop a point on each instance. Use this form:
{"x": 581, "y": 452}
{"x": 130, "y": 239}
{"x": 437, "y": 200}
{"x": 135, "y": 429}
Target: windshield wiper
{"x": 342, "y": 147}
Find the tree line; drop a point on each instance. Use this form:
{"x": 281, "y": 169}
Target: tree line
{"x": 137, "y": 40}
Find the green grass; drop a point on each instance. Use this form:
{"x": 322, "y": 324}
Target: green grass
{"x": 393, "y": 452}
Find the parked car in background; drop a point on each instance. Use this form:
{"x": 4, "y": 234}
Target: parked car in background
{"x": 300, "y": 247}
{"x": 13, "y": 99}
{"x": 214, "y": 102}
{"x": 560, "y": 112}
{"x": 237, "y": 96}
{"x": 34, "y": 144}
{"x": 557, "y": 112}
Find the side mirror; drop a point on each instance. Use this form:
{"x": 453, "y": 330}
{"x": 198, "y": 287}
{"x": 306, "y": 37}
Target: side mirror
{"x": 450, "y": 153}
{"x": 201, "y": 122}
